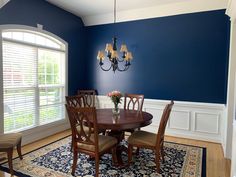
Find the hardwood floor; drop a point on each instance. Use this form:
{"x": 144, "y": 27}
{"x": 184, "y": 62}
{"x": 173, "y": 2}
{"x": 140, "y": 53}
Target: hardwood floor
{"x": 217, "y": 165}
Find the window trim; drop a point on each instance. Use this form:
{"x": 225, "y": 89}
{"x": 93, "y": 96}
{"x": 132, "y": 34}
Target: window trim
{"x": 47, "y": 36}
{"x": 4, "y": 28}
{"x": 31, "y": 44}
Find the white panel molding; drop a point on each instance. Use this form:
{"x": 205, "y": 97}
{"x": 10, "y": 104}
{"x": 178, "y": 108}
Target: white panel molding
{"x": 156, "y": 112}
{"x": 205, "y": 115}
{"x": 178, "y": 121}
{"x": 183, "y": 7}
{"x": 185, "y": 120}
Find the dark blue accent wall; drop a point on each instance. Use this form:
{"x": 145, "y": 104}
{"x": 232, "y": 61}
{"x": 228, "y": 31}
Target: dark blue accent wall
{"x": 183, "y": 57}
{"x": 55, "y": 20}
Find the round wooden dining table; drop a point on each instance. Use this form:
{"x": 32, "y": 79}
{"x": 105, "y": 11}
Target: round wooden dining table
{"x": 126, "y": 119}
{"x": 117, "y": 124}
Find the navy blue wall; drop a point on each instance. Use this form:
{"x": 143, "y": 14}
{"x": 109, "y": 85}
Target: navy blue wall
{"x": 57, "y": 21}
{"x": 182, "y": 57}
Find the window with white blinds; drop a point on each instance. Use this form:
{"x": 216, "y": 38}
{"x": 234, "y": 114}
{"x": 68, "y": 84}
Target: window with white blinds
{"x": 33, "y": 80}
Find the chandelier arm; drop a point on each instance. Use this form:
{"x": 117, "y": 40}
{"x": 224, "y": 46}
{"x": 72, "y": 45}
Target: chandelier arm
{"x": 120, "y": 60}
{"x": 105, "y": 69}
{"x": 125, "y": 69}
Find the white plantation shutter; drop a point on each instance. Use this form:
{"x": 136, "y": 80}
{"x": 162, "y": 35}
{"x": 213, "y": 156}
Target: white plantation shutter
{"x": 19, "y": 77}
{"x": 33, "y": 81}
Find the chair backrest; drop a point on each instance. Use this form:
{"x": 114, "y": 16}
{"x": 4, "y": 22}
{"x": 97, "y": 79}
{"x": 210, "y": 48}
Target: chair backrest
{"x": 75, "y": 101}
{"x": 86, "y": 118}
{"x": 89, "y": 97}
{"x": 133, "y": 102}
{"x": 163, "y": 122}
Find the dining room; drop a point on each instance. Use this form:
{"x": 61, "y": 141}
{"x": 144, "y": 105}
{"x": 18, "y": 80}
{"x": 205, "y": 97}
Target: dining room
{"x": 117, "y": 88}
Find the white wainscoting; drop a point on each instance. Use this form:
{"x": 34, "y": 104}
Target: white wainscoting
{"x": 201, "y": 121}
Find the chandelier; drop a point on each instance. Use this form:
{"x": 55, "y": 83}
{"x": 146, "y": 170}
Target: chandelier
{"x": 113, "y": 56}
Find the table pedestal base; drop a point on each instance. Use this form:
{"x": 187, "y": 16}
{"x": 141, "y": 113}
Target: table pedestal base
{"x": 119, "y": 135}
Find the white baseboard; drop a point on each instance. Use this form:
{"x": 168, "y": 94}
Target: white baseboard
{"x": 200, "y": 121}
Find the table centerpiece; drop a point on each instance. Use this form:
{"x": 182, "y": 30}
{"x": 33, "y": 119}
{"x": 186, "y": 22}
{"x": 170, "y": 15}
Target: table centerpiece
{"x": 116, "y": 99}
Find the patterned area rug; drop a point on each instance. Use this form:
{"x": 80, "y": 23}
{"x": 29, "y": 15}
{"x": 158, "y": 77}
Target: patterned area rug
{"x": 55, "y": 159}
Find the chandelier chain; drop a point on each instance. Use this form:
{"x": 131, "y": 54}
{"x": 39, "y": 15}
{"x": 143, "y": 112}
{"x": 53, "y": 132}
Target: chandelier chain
{"x": 114, "y": 11}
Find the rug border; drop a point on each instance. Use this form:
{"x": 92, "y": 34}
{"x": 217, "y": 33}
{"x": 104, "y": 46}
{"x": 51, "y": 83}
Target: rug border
{"x": 19, "y": 174}
{"x": 204, "y": 156}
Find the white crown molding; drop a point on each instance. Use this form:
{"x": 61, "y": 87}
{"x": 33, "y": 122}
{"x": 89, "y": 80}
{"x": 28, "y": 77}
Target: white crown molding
{"x": 3, "y": 3}
{"x": 189, "y": 6}
{"x": 231, "y": 10}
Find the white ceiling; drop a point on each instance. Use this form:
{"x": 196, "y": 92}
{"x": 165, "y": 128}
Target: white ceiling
{"x": 94, "y": 12}
{"x": 84, "y": 8}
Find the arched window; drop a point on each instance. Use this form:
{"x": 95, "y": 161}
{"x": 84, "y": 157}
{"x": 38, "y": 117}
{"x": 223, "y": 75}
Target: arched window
{"x": 34, "y": 78}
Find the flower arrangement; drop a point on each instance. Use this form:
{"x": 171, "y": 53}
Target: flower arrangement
{"x": 115, "y": 98}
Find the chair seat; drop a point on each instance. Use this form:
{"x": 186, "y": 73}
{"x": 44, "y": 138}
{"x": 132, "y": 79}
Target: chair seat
{"x": 104, "y": 142}
{"x": 142, "y": 138}
{"x": 9, "y": 140}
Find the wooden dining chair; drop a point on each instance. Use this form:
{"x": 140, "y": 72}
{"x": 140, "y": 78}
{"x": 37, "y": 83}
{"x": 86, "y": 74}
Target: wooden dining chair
{"x": 89, "y": 142}
{"x": 7, "y": 143}
{"x": 155, "y": 142}
{"x": 89, "y": 97}
{"x": 76, "y": 101}
{"x": 133, "y": 102}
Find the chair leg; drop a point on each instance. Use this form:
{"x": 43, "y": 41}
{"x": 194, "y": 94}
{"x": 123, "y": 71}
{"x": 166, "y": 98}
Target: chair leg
{"x": 137, "y": 151}
{"x": 71, "y": 148}
{"x": 158, "y": 161}
{"x": 162, "y": 155}
{"x": 114, "y": 156}
{"x": 9, "y": 155}
{"x": 96, "y": 166}
{"x": 75, "y": 158}
{"x": 18, "y": 147}
{"x": 130, "y": 152}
